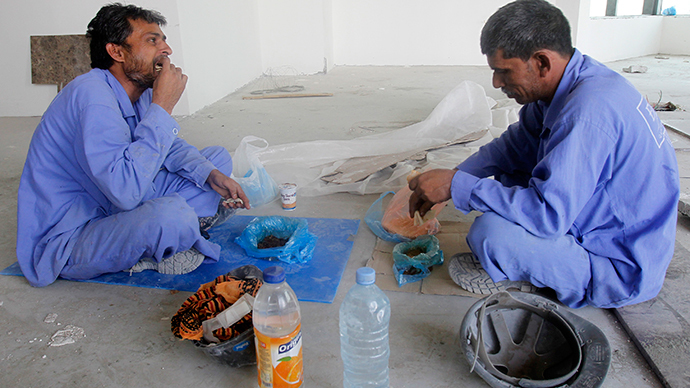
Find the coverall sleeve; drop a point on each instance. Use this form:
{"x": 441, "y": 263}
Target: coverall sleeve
{"x": 186, "y": 161}
{"x": 570, "y": 161}
{"x": 122, "y": 163}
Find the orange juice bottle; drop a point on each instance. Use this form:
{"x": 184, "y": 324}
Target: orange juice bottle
{"x": 278, "y": 332}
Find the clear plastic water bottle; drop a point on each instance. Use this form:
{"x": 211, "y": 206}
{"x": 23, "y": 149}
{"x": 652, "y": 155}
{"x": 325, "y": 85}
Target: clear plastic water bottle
{"x": 364, "y": 317}
{"x": 277, "y": 327}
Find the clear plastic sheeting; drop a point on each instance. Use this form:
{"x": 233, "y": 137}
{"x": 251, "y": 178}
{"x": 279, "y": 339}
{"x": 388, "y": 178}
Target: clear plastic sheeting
{"x": 464, "y": 115}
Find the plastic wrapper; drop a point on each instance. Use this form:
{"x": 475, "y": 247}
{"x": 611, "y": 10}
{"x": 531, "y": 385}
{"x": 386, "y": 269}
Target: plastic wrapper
{"x": 373, "y": 220}
{"x": 250, "y": 173}
{"x": 396, "y": 219}
{"x": 412, "y": 260}
{"x": 298, "y": 249}
{"x": 465, "y": 110}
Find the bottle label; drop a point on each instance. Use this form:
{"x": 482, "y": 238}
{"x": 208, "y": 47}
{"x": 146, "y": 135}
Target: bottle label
{"x": 279, "y": 360}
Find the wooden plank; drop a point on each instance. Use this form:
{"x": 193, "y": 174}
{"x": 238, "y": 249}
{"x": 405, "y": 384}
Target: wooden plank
{"x": 677, "y": 130}
{"x": 287, "y": 95}
{"x": 660, "y": 327}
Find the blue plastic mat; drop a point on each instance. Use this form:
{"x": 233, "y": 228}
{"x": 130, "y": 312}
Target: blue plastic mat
{"x": 315, "y": 281}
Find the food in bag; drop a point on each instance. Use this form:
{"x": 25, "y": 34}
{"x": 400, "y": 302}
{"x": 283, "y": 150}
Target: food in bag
{"x": 396, "y": 219}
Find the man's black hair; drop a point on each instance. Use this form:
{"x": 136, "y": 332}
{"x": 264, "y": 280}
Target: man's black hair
{"x": 523, "y": 27}
{"x": 112, "y": 25}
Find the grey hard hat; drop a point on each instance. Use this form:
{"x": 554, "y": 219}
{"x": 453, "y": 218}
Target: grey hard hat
{"x": 515, "y": 339}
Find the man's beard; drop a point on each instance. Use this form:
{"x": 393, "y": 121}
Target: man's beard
{"x": 135, "y": 71}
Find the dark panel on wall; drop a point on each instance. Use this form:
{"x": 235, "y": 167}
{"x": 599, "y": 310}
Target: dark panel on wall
{"x": 57, "y": 59}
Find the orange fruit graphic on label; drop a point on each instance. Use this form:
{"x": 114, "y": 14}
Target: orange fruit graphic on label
{"x": 289, "y": 369}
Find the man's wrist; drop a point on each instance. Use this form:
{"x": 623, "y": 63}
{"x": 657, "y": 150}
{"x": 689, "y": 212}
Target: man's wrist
{"x": 461, "y": 190}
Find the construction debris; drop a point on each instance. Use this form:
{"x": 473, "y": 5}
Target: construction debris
{"x": 635, "y": 69}
{"x": 50, "y": 318}
{"x": 69, "y": 335}
{"x": 666, "y": 107}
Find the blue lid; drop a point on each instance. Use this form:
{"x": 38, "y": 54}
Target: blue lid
{"x": 366, "y": 276}
{"x": 274, "y": 275}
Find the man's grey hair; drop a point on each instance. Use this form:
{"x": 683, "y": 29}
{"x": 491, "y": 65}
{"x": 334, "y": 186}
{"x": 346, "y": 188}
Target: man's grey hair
{"x": 523, "y": 27}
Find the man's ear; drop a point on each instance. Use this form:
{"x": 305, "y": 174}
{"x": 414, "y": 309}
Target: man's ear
{"x": 115, "y": 51}
{"x": 544, "y": 62}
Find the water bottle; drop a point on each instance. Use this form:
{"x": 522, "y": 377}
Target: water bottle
{"x": 277, "y": 328}
{"x": 364, "y": 316}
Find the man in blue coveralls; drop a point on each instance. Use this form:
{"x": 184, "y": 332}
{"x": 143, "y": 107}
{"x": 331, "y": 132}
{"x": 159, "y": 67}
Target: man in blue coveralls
{"x": 586, "y": 187}
{"x": 107, "y": 185}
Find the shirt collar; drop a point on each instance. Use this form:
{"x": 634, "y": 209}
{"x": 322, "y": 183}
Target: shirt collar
{"x": 571, "y": 73}
{"x": 122, "y": 98}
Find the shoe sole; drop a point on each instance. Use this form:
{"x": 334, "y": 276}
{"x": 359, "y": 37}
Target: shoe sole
{"x": 467, "y": 272}
{"x": 181, "y": 263}
{"x": 178, "y": 264}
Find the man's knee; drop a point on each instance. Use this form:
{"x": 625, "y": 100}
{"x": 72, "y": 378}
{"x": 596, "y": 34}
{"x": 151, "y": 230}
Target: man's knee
{"x": 117, "y": 242}
{"x": 171, "y": 210}
{"x": 220, "y": 157}
{"x": 489, "y": 230}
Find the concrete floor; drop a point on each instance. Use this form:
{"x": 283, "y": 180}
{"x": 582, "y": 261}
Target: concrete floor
{"x": 128, "y": 342}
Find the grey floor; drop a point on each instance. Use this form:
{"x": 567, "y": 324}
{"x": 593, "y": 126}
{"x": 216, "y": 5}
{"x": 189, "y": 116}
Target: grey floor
{"x": 128, "y": 342}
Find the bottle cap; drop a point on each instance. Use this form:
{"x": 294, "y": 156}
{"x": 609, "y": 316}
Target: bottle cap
{"x": 366, "y": 276}
{"x": 274, "y": 275}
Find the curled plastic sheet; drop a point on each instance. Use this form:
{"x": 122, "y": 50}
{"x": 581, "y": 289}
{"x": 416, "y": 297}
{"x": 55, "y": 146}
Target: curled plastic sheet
{"x": 298, "y": 248}
{"x": 465, "y": 113}
{"x": 412, "y": 260}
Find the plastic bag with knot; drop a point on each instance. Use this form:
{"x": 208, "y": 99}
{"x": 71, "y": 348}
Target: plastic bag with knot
{"x": 250, "y": 173}
{"x": 413, "y": 260}
{"x": 298, "y": 246}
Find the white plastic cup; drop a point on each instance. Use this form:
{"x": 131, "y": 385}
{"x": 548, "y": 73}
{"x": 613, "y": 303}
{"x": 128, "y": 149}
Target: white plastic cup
{"x": 288, "y": 195}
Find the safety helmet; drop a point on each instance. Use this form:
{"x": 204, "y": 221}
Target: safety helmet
{"x": 515, "y": 339}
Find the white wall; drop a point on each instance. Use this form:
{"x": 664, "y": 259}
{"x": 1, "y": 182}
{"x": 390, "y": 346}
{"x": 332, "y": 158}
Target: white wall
{"x": 293, "y": 33}
{"x": 218, "y": 50}
{"x": 615, "y": 38}
{"x": 19, "y": 19}
{"x": 394, "y": 32}
{"x": 609, "y": 39}
{"x": 676, "y": 35}
{"x": 223, "y": 45}
{"x": 574, "y": 11}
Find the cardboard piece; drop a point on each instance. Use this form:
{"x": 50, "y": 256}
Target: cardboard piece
{"x": 359, "y": 168}
{"x": 451, "y": 240}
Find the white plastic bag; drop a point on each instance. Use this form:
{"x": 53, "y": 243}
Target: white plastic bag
{"x": 250, "y": 173}
{"x": 464, "y": 112}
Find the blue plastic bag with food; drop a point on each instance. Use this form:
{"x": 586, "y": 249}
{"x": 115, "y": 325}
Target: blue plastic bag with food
{"x": 287, "y": 239}
{"x": 373, "y": 220}
{"x": 395, "y": 224}
{"x": 413, "y": 260}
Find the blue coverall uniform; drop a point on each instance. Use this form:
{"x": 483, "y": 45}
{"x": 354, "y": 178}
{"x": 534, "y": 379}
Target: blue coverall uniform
{"x": 107, "y": 182}
{"x": 585, "y": 194}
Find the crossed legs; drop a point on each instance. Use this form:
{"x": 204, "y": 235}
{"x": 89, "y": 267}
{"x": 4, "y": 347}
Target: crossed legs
{"x": 507, "y": 251}
{"x": 157, "y": 229}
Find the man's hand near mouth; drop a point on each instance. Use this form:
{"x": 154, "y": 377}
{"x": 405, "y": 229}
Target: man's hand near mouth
{"x": 169, "y": 85}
